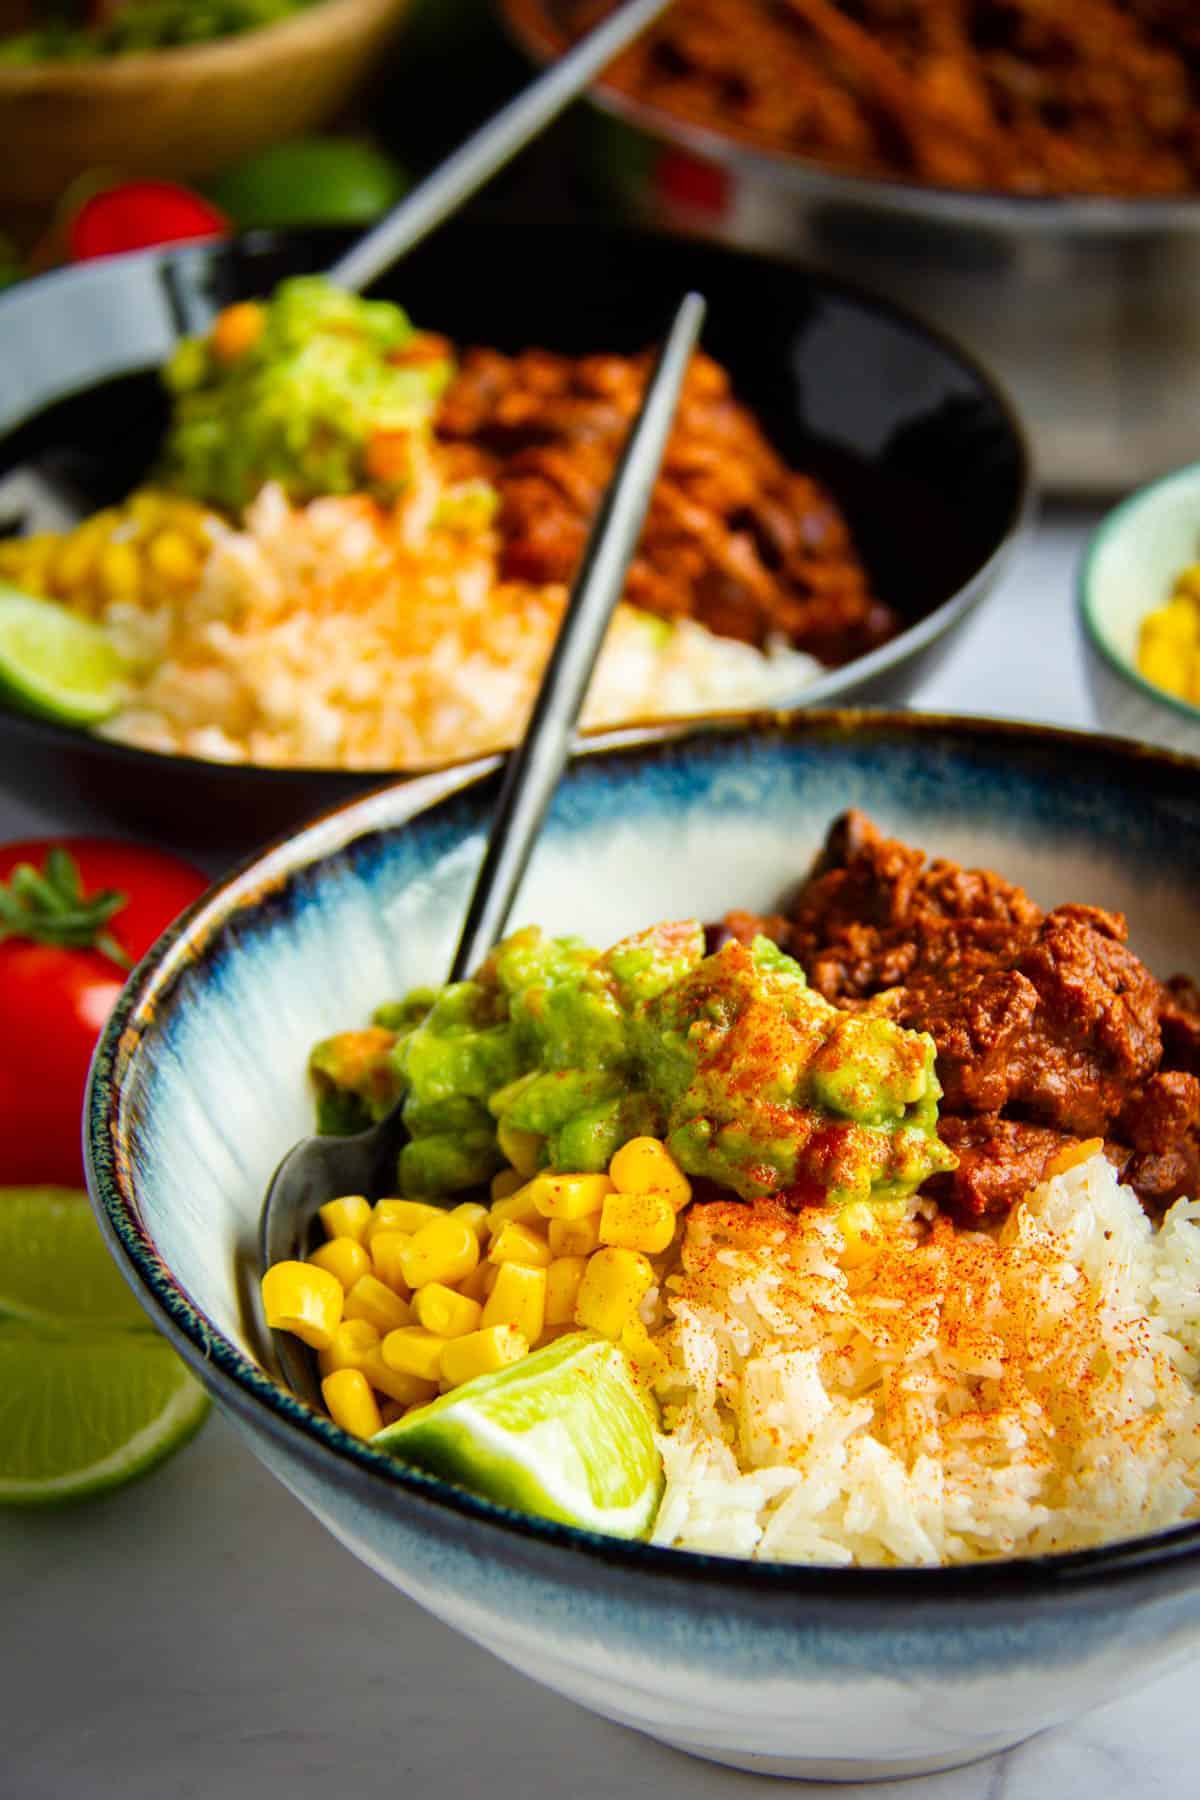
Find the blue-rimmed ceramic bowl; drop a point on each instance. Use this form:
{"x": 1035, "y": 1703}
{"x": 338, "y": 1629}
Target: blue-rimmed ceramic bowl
{"x": 1128, "y": 568}
{"x": 199, "y": 1086}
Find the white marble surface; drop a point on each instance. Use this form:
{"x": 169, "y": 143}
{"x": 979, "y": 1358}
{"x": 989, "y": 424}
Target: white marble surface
{"x": 200, "y": 1637}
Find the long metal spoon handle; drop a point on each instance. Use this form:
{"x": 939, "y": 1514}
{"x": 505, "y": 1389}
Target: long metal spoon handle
{"x": 534, "y": 768}
{"x": 494, "y": 144}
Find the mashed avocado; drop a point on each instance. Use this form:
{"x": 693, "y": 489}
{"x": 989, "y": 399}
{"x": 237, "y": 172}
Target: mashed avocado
{"x": 752, "y": 1079}
{"x": 314, "y": 389}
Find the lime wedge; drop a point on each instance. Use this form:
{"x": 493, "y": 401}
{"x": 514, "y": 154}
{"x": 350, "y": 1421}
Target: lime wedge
{"x": 562, "y": 1433}
{"x": 90, "y": 1395}
{"x": 54, "y": 1268}
{"x": 85, "y": 1413}
{"x": 55, "y": 663}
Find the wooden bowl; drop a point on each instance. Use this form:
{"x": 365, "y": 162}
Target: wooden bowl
{"x": 183, "y": 112}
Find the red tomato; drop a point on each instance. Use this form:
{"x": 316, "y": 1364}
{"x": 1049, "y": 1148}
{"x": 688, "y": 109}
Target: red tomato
{"x": 138, "y": 215}
{"x": 54, "y": 1000}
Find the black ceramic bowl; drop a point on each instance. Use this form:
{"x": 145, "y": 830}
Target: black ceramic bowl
{"x": 920, "y": 449}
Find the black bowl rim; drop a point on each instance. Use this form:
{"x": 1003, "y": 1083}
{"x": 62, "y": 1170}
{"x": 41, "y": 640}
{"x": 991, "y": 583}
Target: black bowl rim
{"x": 250, "y": 1390}
{"x": 1085, "y": 213}
{"x": 829, "y": 687}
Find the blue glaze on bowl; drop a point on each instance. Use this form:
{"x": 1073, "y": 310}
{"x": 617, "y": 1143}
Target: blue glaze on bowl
{"x": 199, "y": 1087}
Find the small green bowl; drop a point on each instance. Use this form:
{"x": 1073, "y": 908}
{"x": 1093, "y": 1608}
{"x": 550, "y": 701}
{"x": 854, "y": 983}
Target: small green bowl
{"x": 1128, "y": 568}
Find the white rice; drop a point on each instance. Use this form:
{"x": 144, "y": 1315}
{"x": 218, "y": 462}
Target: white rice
{"x": 342, "y": 634}
{"x": 960, "y": 1396}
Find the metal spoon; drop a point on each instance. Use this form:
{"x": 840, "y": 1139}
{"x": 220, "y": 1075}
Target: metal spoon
{"x": 320, "y": 1168}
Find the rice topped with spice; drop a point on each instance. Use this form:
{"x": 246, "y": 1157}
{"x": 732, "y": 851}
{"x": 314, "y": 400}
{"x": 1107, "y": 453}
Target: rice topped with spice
{"x": 355, "y": 634}
{"x": 919, "y": 1393}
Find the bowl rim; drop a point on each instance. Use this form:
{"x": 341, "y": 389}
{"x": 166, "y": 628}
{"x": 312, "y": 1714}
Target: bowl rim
{"x": 133, "y": 68}
{"x": 1046, "y": 211}
{"x": 252, "y": 1392}
{"x": 826, "y": 689}
{"x": 1120, "y": 519}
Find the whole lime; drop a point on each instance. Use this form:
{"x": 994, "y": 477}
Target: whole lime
{"x": 310, "y": 181}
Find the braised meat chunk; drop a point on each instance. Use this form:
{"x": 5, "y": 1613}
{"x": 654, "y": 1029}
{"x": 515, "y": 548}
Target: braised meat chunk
{"x": 1049, "y": 1030}
{"x": 735, "y": 538}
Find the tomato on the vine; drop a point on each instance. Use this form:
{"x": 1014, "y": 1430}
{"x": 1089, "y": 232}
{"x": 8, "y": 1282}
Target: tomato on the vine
{"x": 75, "y": 916}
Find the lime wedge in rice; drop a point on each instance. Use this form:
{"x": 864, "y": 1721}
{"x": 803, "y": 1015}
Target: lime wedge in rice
{"x": 54, "y": 663}
{"x": 563, "y": 1434}
{"x": 90, "y": 1395}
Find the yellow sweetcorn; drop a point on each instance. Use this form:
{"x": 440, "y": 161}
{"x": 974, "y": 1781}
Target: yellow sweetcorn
{"x": 347, "y": 1217}
{"x": 646, "y": 1360}
{"x": 646, "y": 1166}
{"x": 569, "y": 1196}
{"x": 863, "y": 1228}
{"x": 397, "y": 1384}
{"x": 352, "y": 1405}
{"x": 614, "y": 1285}
{"x": 303, "y": 1300}
{"x": 414, "y": 1351}
{"x": 475, "y": 1215}
{"x": 381, "y": 1306}
{"x": 522, "y": 1148}
{"x": 518, "y": 1298}
{"x": 518, "y": 1206}
{"x": 444, "y": 1312}
{"x": 351, "y": 1346}
{"x": 236, "y": 330}
{"x": 344, "y": 1258}
{"x": 574, "y": 1237}
{"x": 444, "y": 1250}
{"x": 149, "y": 550}
{"x": 401, "y": 1215}
{"x": 518, "y": 1243}
{"x": 386, "y": 1249}
{"x": 474, "y": 1285}
{"x": 482, "y": 1353}
{"x": 638, "y": 1222}
{"x": 562, "y": 1288}
{"x": 506, "y": 1184}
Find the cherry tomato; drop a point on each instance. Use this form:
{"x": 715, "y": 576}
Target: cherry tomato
{"x": 139, "y": 214}
{"x": 55, "y": 998}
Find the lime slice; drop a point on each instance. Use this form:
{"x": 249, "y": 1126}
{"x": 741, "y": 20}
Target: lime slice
{"x": 85, "y": 1413}
{"x": 90, "y": 1395}
{"x": 562, "y": 1433}
{"x": 54, "y": 663}
{"x": 54, "y": 1267}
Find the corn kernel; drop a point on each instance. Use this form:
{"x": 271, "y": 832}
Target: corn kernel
{"x": 1071, "y": 1155}
{"x": 386, "y": 1250}
{"x": 347, "y": 1217}
{"x": 343, "y": 1258}
{"x": 173, "y": 559}
{"x": 73, "y": 562}
{"x": 613, "y": 1286}
{"x": 638, "y": 1222}
{"x": 562, "y": 1288}
{"x": 307, "y": 1302}
{"x": 414, "y": 1351}
{"x": 352, "y": 1405}
{"x": 474, "y": 1285}
{"x": 519, "y": 1243}
{"x": 518, "y": 1207}
{"x": 401, "y": 1215}
{"x": 519, "y": 1299}
{"x": 397, "y": 1384}
{"x": 646, "y": 1166}
{"x": 574, "y": 1237}
{"x": 646, "y": 1360}
{"x": 862, "y": 1238}
{"x": 369, "y": 1299}
{"x": 482, "y": 1353}
{"x": 350, "y": 1347}
{"x": 506, "y": 1183}
{"x": 447, "y": 1314}
{"x": 522, "y": 1148}
{"x": 569, "y": 1196}
{"x": 475, "y": 1215}
{"x": 119, "y": 572}
{"x": 444, "y": 1250}
{"x": 236, "y": 330}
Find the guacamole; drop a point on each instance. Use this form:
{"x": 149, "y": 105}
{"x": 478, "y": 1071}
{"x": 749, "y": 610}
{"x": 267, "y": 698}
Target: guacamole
{"x": 752, "y": 1079}
{"x": 315, "y": 389}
